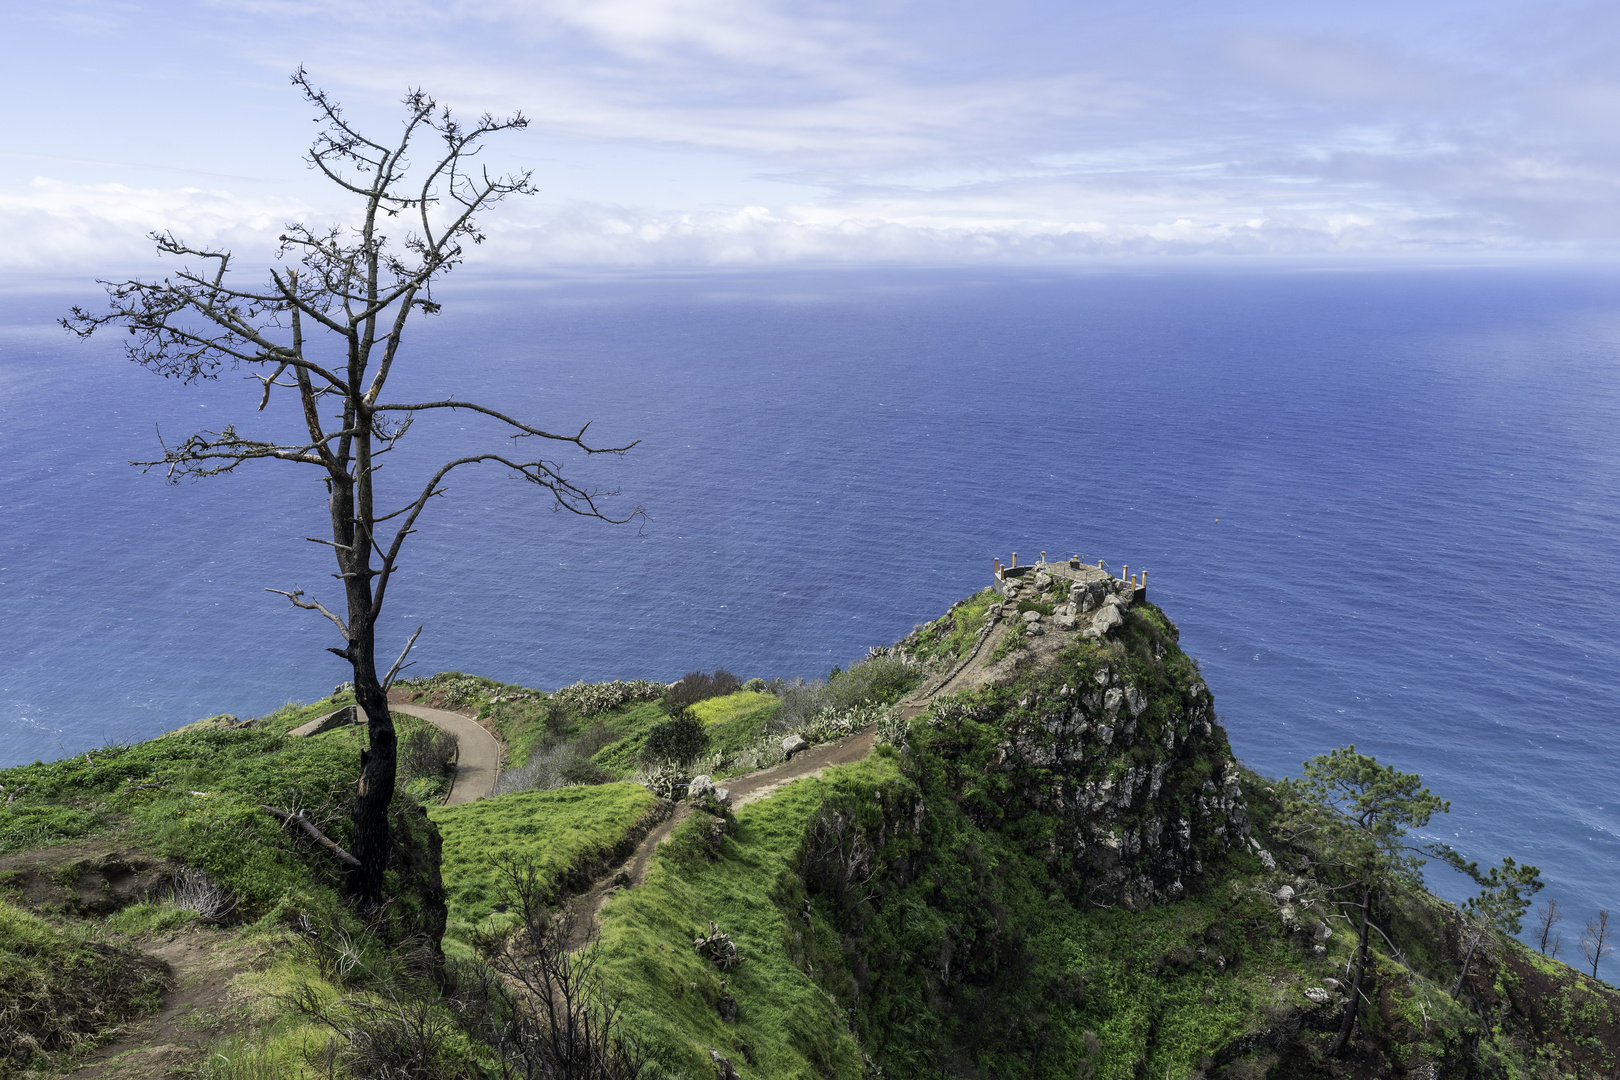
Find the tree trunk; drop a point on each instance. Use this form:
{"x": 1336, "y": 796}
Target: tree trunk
{"x": 1468, "y": 958}
{"x": 1348, "y": 1024}
{"x": 377, "y": 768}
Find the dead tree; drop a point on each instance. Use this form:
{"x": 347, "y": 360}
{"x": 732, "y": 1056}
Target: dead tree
{"x": 1549, "y": 940}
{"x": 1594, "y": 941}
{"x": 321, "y": 337}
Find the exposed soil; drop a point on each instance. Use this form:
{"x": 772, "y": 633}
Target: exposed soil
{"x": 89, "y": 877}
{"x": 196, "y": 1009}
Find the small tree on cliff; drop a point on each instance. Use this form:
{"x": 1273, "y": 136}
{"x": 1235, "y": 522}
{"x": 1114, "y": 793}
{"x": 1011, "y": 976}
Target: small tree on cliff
{"x": 1355, "y": 814}
{"x": 322, "y": 336}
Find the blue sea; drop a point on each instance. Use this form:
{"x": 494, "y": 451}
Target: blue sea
{"x": 1382, "y": 506}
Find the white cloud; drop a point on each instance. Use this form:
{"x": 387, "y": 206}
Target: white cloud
{"x": 52, "y": 224}
{"x": 746, "y": 130}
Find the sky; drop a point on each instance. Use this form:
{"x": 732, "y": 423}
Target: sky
{"x": 691, "y": 133}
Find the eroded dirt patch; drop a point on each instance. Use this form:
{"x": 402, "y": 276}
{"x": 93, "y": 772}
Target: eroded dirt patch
{"x": 196, "y": 1009}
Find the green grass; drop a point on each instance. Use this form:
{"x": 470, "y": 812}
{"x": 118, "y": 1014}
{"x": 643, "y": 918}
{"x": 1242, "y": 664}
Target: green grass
{"x": 631, "y": 724}
{"x": 951, "y": 637}
{"x": 145, "y": 792}
{"x": 559, "y": 831}
{"x": 58, "y": 987}
{"x": 736, "y": 720}
{"x": 1011, "y": 641}
{"x": 787, "y": 1022}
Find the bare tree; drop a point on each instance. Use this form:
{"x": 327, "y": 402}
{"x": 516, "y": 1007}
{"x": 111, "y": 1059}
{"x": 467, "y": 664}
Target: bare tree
{"x": 545, "y": 1007}
{"x": 1595, "y": 941}
{"x": 324, "y": 333}
{"x": 1548, "y": 940}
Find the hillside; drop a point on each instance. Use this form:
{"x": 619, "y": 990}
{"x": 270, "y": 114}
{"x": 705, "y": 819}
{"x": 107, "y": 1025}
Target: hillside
{"x": 1014, "y": 844}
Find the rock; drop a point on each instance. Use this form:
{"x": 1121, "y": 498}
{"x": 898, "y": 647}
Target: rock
{"x": 346, "y": 715}
{"x": 1106, "y": 619}
{"x": 723, "y": 1069}
{"x": 699, "y": 788}
{"x": 722, "y": 796}
{"x": 1324, "y": 932}
{"x": 1267, "y": 861}
{"x": 1318, "y": 995}
{"x": 1134, "y": 700}
{"x": 793, "y": 744}
{"x": 1285, "y": 893}
{"x": 1112, "y": 701}
{"x": 1032, "y": 616}
{"x": 1105, "y": 733}
{"x": 1331, "y": 984}
{"x": 1066, "y": 621}
{"x": 728, "y": 1010}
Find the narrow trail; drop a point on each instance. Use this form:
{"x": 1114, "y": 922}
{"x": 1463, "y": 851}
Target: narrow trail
{"x": 750, "y": 787}
{"x": 969, "y": 675}
{"x": 478, "y": 754}
{"x": 586, "y": 907}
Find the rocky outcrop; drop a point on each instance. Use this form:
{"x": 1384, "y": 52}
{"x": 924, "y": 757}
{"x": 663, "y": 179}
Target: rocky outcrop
{"x": 1117, "y": 737}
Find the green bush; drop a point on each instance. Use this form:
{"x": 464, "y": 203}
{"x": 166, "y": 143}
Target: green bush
{"x": 881, "y": 680}
{"x": 680, "y": 738}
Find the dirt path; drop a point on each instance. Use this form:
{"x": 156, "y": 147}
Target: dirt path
{"x": 202, "y": 962}
{"x": 478, "y": 764}
{"x": 971, "y": 674}
{"x": 750, "y": 787}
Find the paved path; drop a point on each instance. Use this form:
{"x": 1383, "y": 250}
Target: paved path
{"x": 478, "y": 763}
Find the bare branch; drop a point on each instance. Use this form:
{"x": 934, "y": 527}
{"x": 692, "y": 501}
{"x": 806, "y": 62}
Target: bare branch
{"x": 314, "y": 834}
{"x": 399, "y": 665}
{"x": 578, "y": 439}
{"x": 296, "y": 596}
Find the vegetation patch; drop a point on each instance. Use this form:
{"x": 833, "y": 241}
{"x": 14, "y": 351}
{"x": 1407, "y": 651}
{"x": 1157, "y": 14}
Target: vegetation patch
{"x": 59, "y": 988}
{"x": 564, "y": 833}
{"x": 783, "y": 1023}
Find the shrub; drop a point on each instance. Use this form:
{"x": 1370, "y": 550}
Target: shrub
{"x": 680, "y": 738}
{"x": 696, "y": 687}
{"x": 559, "y": 766}
{"x": 880, "y": 680}
{"x": 425, "y": 751}
{"x": 800, "y": 701}
{"x": 593, "y": 699}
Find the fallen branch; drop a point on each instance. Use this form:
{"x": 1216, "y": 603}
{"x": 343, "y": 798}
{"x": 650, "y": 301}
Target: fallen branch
{"x": 314, "y": 834}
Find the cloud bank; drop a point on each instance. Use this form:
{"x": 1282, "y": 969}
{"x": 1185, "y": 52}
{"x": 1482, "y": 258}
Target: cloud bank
{"x": 722, "y": 132}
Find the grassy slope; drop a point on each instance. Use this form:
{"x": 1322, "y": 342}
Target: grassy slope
{"x": 631, "y": 724}
{"x": 60, "y": 986}
{"x": 787, "y": 1023}
{"x": 736, "y": 720}
{"x": 558, "y": 830}
{"x": 949, "y": 636}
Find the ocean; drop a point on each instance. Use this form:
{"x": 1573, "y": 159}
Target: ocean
{"x": 1382, "y": 505}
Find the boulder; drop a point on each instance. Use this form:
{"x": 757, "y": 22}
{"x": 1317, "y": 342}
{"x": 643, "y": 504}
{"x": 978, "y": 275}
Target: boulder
{"x": 722, "y": 796}
{"x": 1066, "y": 622}
{"x": 1106, "y": 619}
{"x": 331, "y": 720}
{"x": 1318, "y": 995}
{"x": 699, "y": 788}
{"x": 793, "y": 744}
{"x": 1032, "y": 616}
